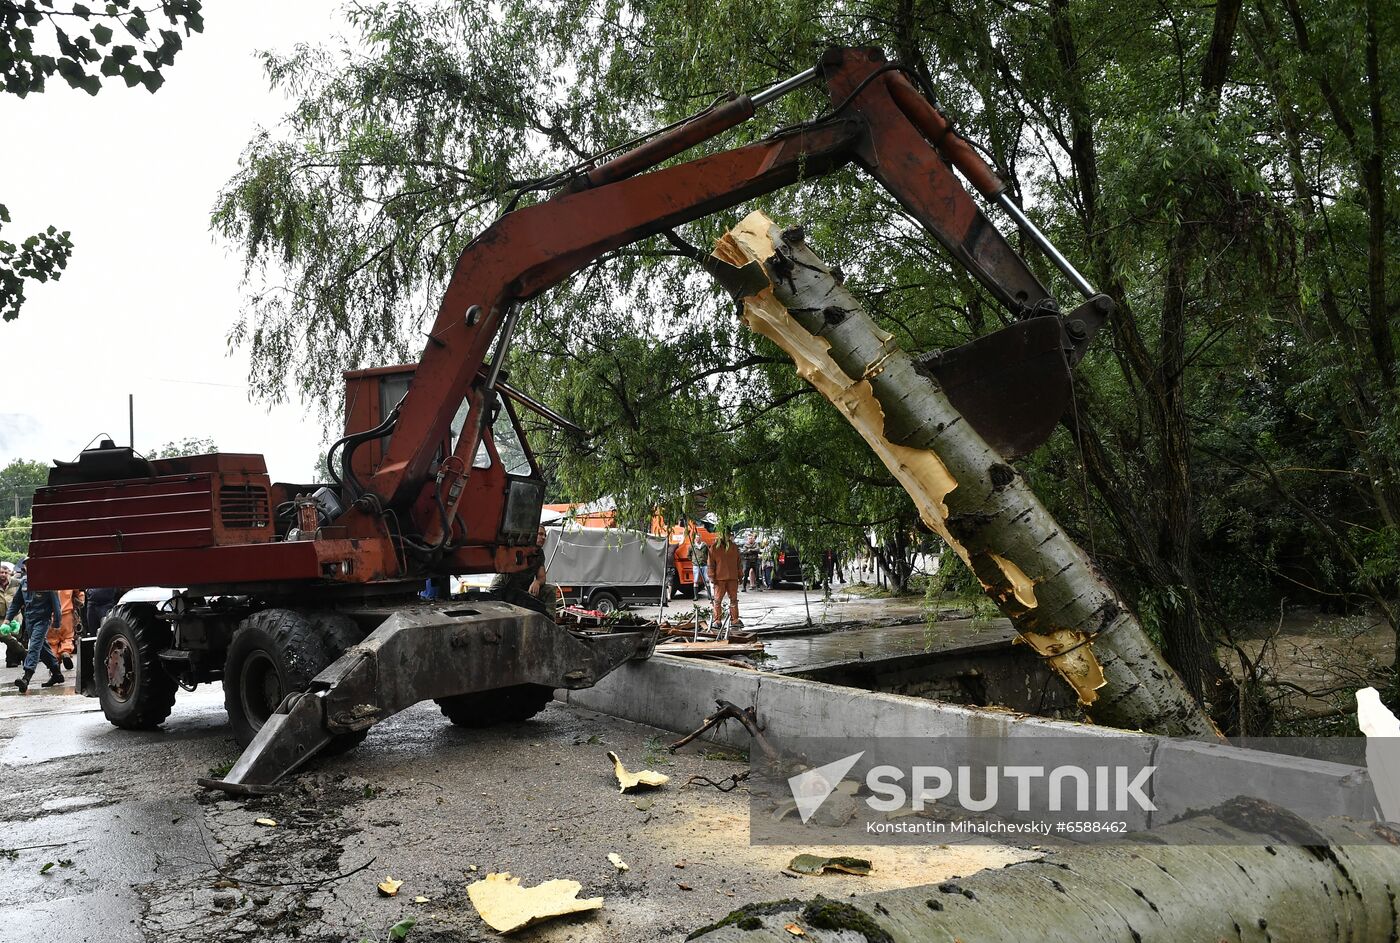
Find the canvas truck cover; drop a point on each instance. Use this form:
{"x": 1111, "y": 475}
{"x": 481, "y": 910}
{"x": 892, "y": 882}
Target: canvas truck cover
{"x": 593, "y": 556}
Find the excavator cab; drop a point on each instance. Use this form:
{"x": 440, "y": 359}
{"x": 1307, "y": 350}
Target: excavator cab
{"x": 504, "y": 490}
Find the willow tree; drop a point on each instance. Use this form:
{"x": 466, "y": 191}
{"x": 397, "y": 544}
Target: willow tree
{"x": 1264, "y": 873}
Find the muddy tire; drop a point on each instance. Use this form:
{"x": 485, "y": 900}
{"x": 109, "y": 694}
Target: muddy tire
{"x": 273, "y": 653}
{"x": 133, "y": 687}
{"x": 509, "y": 705}
{"x": 277, "y": 652}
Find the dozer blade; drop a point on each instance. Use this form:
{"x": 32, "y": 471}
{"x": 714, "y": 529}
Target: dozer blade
{"x": 423, "y": 653}
{"x": 1012, "y": 386}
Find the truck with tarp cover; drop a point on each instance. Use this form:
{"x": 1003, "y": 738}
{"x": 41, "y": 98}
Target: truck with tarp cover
{"x": 606, "y": 568}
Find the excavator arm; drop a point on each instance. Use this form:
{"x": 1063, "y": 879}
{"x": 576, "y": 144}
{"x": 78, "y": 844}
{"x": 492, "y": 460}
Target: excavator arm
{"x": 878, "y": 120}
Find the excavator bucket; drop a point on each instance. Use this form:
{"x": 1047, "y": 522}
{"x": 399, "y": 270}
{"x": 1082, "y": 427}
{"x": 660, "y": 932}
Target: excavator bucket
{"x": 1012, "y": 386}
{"x": 421, "y": 653}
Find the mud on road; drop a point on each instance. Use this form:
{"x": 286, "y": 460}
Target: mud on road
{"x": 140, "y": 853}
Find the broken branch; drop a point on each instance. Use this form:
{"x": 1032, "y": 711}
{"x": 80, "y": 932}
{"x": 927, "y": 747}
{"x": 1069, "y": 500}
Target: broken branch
{"x": 729, "y": 711}
{"x": 965, "y": 491}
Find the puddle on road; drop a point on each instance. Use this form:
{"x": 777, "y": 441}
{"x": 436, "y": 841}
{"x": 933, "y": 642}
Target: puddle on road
{"x": 46, "y": 738}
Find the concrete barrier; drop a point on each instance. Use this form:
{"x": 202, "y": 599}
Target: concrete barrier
{"x": 675, "y": 693}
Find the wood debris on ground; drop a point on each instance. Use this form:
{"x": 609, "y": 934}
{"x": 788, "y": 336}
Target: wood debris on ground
{"x": 820, "y": 864}
{"x": 630, "y": 782}
{"x": 690, "y": 634}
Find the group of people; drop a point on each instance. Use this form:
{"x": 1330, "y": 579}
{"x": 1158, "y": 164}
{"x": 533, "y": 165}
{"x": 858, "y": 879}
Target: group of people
{"x": 755, "y": 565}
{"x": 721, "y": 569}
{"x": 49, "y": 622}
{"x": 729, "y": 567}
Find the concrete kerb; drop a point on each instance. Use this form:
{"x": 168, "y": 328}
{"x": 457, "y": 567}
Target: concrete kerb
{"x": 675, "y": 693}
{"x": 1189, "y": 777}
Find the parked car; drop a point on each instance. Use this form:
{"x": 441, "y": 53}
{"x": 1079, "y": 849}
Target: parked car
{"x": 787, "y": 565}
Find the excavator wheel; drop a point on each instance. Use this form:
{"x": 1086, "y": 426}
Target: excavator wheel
{"x": 274, "y": 653}
{"x": 516, "y": 703}
{"x": 133, "y": 687}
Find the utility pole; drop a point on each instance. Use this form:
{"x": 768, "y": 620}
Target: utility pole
{"x": 131, "y": 420}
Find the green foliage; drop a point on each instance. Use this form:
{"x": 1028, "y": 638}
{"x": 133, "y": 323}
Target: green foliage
{"x": 955, "y": 586}
{"x": 1242, "y": 380}
{"x": 14, "y": 539}
{"x": 18, "y": 482}
{"x": 90, "y": 44}
{"x": 40, "y": 257}
{"x": 83, "y": 45}
{"x": 187, "y": 446}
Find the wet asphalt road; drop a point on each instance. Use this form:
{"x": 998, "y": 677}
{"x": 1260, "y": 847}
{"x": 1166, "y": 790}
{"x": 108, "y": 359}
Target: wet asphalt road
{"x": 140, "y": 853}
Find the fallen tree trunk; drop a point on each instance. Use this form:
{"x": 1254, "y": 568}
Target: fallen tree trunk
{"x": 964, "y": 490}
{"x": 1210, "y": 877}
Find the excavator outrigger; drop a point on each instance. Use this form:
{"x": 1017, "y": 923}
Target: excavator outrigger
{"x": 303, "y": 599}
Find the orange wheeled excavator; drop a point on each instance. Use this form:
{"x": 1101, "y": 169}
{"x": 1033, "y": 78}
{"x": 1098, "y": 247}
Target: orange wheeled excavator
{"x": 303, "y": 598}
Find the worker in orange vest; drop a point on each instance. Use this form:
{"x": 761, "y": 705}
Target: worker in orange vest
{"x": 724, "y": 577}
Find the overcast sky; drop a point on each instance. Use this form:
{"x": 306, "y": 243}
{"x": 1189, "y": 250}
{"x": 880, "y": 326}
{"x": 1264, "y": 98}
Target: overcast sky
{"x": 148, "y": 297}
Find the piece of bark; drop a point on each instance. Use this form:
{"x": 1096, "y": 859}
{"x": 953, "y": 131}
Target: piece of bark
{"x": 1210, "y": 877}
{"x": 964, "y": 490}
{"x": 635, "y": 782}
{"x": 507, "y": 907}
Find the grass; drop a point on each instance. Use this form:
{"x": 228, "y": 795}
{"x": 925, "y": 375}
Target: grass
{"x": 655, "y": 753}
{"x": 871, "y": 591}
{"x": 723, "y": 756}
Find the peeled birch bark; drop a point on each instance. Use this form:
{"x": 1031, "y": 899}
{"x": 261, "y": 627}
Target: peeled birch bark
{"x": 1228, "y": 885}
{"x": 964, "y": 490}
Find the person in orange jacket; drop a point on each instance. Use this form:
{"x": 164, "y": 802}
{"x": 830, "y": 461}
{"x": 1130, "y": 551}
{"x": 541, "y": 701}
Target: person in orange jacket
{"x": 61, "y": 638}
{"x": 724, "y": 577}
